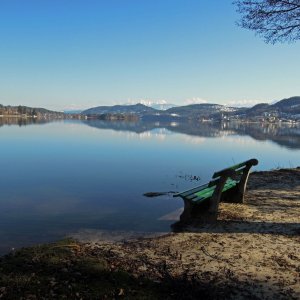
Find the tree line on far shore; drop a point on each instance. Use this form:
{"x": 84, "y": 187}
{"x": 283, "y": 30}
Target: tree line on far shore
{"x": 17, "y": 110}
{"x": 26, "y": 111}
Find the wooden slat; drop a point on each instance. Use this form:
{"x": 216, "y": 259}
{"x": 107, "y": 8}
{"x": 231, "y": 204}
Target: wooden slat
{"x": 235, "y": 167}
{"x": 232, "y": 181}
{"x": 190, "y": 191}
{"x": 237, "y": 172}
{"x": 190, "y": 197}
{"x": 205, "y": 191}
{"x": 216, "y": 181}
{"x": 219, "y": 173}
{"x": 203, "y": 197}
{"x": 229, "y": 186}
{"x": 200, "y": 199}
{"x": 208, "y": 192}
{"x": 198, "y": 193}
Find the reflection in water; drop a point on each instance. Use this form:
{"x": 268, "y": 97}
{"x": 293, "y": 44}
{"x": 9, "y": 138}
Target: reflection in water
{"x": 286, "y": 135}
{"x": 71, "y": 175}
{"x": 22, "y": 121}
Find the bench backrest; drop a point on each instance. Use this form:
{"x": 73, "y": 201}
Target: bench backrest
{"x": 234, "y": 176}
{"x": 233, "y": 171}
{"x": 236, "y": 168}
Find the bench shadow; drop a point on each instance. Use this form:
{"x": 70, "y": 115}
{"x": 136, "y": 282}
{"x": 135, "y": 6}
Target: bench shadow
{"x": 226, "y": 226}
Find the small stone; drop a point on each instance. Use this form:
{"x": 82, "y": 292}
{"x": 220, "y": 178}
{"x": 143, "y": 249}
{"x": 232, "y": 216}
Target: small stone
{"x": 121, "y": 292}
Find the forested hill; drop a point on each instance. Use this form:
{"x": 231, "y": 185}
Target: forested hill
{"x": 28, "y": 112}
{"x": 286, "y": 109}
{"x": 139, "y": 109}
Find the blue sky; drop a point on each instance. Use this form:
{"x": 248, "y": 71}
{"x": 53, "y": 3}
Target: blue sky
{"x": 80, "y": 53}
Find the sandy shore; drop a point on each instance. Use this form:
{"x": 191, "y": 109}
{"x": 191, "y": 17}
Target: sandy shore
{"x": 252, "y": 252}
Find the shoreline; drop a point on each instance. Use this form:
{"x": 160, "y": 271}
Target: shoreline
{"x": 116, "y": 118}
{"x": 252, "y": 252}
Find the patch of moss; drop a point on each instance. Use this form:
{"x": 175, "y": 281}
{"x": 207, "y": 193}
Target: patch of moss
{"x": 64, "y": 271}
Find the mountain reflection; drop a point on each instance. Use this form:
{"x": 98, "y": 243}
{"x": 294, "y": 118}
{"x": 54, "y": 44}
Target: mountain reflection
{"x": 22, "y": 121}
{"x": 285, "y": 135}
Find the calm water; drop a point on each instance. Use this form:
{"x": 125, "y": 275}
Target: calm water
{"x": 63, "y": 177}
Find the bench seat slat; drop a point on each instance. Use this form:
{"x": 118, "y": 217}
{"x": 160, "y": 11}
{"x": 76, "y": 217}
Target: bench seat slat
{"x": 207, "y": 192}
{"x": 199, "y": 199}
{"x": 216, "y": 181}
{"x": 200, "y": 196}
{"x": 202, "y": 192}
{"x": 205, "y": 196}
{"x": 229, "y": 185}
{"x": 191, "y": 191}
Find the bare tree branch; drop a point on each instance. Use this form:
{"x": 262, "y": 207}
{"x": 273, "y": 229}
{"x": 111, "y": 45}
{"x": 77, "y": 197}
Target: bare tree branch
{"x": 273, "y": 20}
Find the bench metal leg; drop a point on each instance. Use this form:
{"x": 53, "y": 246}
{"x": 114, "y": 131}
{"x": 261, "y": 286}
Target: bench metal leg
{"x": 237, "y": 194}
{"x": 212, "y": 212}
{"x": 186, "y": 215}
{"x": 206, "y": 212}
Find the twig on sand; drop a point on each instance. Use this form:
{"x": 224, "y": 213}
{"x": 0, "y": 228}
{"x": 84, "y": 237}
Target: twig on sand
{"x": 215, "y": 257}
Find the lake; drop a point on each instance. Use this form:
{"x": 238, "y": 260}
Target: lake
{"x": 60, "y": 178}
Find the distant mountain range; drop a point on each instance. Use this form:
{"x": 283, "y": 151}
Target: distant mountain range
{"x": 289, "y": 105}
{"x": 143, "y": 110}
{"x": 162, "y": 106}
{"x": 286, "y": 108}
{"x": 139, "y": 109}
{"x": 73, "y": 111}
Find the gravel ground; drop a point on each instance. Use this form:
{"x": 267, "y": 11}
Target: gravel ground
{"x": 252, "y": 252}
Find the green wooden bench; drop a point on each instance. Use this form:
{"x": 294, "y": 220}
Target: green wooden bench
{"x": 229, "y": 185}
